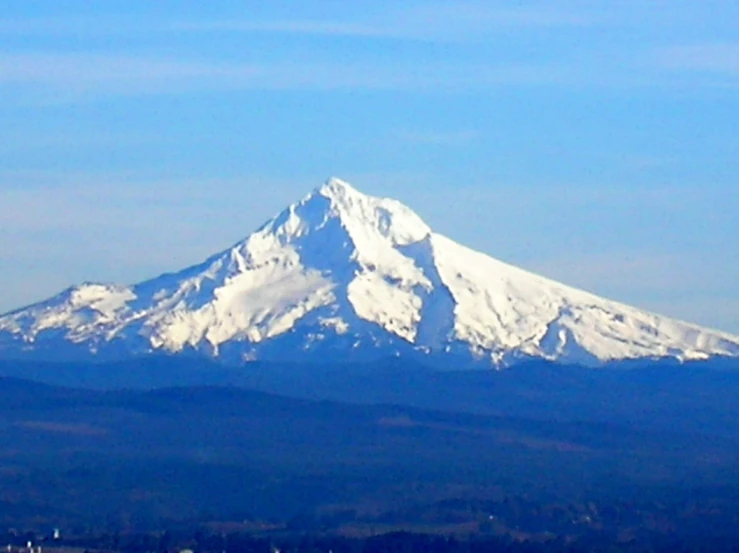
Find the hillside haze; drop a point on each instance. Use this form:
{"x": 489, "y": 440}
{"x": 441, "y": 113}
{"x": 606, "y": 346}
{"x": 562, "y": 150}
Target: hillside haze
{"x": 345, "y": 276}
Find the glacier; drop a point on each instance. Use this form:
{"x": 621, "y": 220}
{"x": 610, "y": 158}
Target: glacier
{"x": 341, "y": 275}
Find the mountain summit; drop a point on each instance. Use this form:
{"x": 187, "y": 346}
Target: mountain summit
{"x": 345, "y": 276}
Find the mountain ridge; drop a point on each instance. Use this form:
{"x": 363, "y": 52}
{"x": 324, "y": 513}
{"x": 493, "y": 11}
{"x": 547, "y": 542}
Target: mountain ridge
{"x": 342, "y": 274}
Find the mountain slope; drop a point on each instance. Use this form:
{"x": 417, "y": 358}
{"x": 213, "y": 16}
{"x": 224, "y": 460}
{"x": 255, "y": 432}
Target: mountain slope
{"x": 355, "y": 277}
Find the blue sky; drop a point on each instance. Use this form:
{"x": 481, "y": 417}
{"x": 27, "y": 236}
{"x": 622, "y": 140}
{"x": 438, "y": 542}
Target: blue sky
{"x": 593, "y": 142}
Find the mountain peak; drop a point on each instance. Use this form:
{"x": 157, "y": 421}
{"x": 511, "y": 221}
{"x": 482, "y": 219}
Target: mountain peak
{"x": 335, "y": 187}
{"x": 365, "y": 217}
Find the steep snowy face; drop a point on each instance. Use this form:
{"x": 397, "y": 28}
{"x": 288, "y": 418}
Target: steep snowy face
{"x": 347, "y": 275}
{"x": 506, "y": 313}
{"x": 334, "y": 255}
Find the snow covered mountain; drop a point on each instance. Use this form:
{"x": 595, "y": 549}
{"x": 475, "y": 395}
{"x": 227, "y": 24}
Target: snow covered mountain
{"x": 341, "y": 275}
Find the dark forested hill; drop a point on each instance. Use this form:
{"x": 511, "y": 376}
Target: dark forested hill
{"x": 140, "y": 459}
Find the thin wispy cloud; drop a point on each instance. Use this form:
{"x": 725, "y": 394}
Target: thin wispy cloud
{"x": 79, "y": 75}
{"x": 54, "y": 27}
{"x": 64, "y": 77}
{"x": 431, "y": 22}
{"x": 474, "y": 16}
{"x": 708, "y": 57}
{"x": 85, "y": 72}
{"x": 58, "y": 77}
{"x": 474, "y": 58}
{"x": 438, "y": 138}
{"x": 424, "y": 21}
{"x": 290, "y": 27}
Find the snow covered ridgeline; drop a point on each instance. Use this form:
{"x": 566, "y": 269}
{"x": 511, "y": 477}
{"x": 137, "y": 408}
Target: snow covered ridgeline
{"x": 351, "y": 276}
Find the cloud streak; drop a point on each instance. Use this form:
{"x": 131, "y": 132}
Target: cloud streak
{"x": 438, "y": 138}
{"x": 714, "y": 58}
{"x": 462, "y": 22}
{"x": 467, "y": 47}
{"x": 69, "y": 77}
{"x": 419, "y": 21}
{"x": 103, "y": 72}
{"x": 83, "y": 75}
